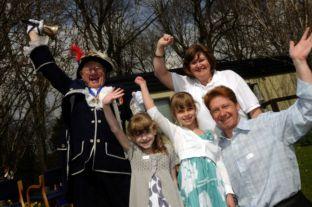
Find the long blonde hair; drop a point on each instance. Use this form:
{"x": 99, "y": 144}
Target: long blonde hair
{"x": 141, "y": 123}
{"x": 181, "y": 101}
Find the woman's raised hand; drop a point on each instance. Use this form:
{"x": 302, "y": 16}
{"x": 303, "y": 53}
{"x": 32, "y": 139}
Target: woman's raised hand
{"x": 165, "y": 40}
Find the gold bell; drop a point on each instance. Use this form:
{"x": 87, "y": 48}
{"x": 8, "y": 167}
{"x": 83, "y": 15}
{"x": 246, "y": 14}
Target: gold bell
{"x": 51, "y": 31}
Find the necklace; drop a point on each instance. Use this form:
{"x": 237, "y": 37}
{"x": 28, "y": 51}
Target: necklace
{"x": 95, "y": 95}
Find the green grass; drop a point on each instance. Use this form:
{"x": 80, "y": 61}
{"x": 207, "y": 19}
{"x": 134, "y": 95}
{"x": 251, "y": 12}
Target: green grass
{"x": 304, "y": 155}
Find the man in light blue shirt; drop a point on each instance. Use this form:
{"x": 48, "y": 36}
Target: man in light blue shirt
{"x": 259, "y": 153}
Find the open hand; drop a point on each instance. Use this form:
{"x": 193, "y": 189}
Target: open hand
{"x": 165, "y": 40}
{"x": 139, "y": 81}
{"x": 301, "y": 50}
{"x": 115, "y": 94}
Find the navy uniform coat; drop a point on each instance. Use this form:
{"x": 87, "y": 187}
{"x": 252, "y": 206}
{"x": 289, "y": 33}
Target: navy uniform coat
{"x": 89, "y": 136}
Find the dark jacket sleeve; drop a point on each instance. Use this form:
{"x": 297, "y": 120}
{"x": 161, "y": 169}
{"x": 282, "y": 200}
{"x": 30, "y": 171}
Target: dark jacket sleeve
{"x": 124, "y": 107}
{"x": 125, "y": 112}
{"x": 44, "y": 62}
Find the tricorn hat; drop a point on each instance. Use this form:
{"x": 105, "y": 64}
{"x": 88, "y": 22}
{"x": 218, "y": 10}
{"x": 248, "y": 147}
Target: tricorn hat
{"x": 96, "y": 56}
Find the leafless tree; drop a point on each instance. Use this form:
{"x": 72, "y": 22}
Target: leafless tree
{"x": 237, "y": 30}
{"x": 112, "y": 26}
{"x": 25, "y": 111}
{"x": 264, "y": 29}
{"x": 128, "y": 30}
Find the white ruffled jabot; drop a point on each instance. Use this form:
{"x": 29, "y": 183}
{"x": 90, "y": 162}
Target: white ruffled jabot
{"x": 97, "y": 101}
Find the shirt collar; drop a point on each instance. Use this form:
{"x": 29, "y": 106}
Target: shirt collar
{"x": 243, "y": 125}
{"x": 210, "y": 84}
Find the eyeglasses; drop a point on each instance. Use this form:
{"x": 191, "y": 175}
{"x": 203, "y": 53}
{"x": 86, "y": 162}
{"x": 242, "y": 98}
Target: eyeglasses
{"x": 95, "y": 68}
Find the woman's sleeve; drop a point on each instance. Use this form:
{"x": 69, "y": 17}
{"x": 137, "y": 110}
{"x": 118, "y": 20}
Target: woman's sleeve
{"x": 180, "y": 82}
{"x": 245, "y": 97}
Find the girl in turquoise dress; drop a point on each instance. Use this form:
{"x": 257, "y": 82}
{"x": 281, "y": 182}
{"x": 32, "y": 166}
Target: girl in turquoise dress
{"x": 202, "y": 178}
{"x": 199, "y": 182}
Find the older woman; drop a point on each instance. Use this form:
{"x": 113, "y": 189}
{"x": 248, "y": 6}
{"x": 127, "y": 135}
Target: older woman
{"x": 201, "y": 76}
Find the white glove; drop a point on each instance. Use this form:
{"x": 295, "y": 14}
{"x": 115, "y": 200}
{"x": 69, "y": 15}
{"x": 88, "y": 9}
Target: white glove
{"x": 36, "y": 39}
{"x": 138, "y": 97}
{"x": 35, "y": 25}
{"x": 136, "y": 103}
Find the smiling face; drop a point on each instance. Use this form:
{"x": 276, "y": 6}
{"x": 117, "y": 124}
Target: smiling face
{"x": 200, "y": 68}
{"x": 225, "y": 113}
{"x": 199, "y": 63}
{"x": 183, "y": 108}
{"x": 186, "y": 117}
{"x": 142, "y": 130}
{"x": 146, "y": 140}
{"x": 93, "y": 74}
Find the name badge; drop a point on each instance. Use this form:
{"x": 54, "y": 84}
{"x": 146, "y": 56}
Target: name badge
{"x": 249, "y": 156}
{"x": 145, "y": 157}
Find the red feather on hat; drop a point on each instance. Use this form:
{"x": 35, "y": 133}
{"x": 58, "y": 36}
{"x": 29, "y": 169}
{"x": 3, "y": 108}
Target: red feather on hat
{"x": 77, "y": 51}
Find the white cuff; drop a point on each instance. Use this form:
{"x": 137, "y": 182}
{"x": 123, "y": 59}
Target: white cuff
{"x": 136, "y": 103}
{"x": 228, "y": 189}
{"x": 136, "y": 107}
{"x": 42, "y": 40}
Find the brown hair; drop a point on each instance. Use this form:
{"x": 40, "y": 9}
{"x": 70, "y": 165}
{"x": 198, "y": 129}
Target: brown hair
{"x": 181, "y": 100}
{"x": 141, "y": 123}
{"x": 219, "y": 91}
{"x": 193, "y": 52}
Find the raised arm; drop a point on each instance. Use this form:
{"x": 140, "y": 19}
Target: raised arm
{"x": 299, "y": 53}
{"x": 43, "y": 60}
{"x": 160, "y": 70}
{"x": 168, "y": 128}
{"x": 112, "y": 121}
{"x": 297, "y": 119}
{"x": 147, "y": 99}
